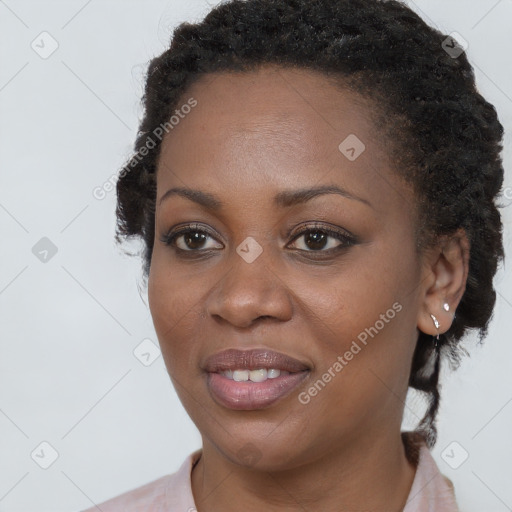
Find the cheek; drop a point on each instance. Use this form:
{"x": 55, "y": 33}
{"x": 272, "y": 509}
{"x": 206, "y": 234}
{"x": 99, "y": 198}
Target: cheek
{"x": 352, "y": 296}
{"x": 174, "y": 302}
{"x": 366, "y": 314}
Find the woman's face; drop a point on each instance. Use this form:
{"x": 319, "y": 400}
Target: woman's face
{"x": 299, "y": 256}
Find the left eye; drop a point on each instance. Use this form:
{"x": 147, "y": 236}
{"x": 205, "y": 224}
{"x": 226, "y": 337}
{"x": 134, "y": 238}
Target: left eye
{"x": 315, "y": 240}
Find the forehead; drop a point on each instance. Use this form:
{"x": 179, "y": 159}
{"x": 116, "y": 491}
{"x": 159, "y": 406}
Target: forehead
{"x": 272, "y": 128}
{"x": 292, "y": 103}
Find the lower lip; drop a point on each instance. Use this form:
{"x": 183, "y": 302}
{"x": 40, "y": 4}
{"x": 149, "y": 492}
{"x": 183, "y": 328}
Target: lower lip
{"x": 252, "y": 395}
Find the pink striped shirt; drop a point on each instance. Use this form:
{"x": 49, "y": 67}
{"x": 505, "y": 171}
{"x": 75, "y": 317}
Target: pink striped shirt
{"x": 430, "y": 491}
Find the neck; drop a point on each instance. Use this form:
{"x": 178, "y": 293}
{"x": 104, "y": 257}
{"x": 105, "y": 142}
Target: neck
{"x": 366, "y": 474}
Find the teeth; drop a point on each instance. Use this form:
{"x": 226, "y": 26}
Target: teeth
{"x": 259, "y": 375}
{"x": 241, "y": 375}
{"x": 272, "y": 374}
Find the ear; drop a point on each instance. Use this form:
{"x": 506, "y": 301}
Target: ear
{"x": 444, "y": 276}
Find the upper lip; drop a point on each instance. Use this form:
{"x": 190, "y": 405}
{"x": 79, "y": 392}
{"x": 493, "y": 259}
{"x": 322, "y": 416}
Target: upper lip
{"x": 234, "y": 359}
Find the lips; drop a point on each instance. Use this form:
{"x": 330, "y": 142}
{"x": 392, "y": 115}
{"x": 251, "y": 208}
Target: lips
{"x": 284, "y": 374}
{"x": 233, "y": 359}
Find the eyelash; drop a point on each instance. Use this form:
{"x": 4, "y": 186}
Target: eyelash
{"x": 346, "y": 239}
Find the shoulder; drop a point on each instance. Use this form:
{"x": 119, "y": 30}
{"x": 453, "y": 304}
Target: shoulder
{"x": 431, "y": 490}
{"x": 168, "y": 493}
{"x": 146, "y": 497}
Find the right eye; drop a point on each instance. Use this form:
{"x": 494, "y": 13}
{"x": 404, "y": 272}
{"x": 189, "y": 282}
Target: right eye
{"x": 191, "y": 238}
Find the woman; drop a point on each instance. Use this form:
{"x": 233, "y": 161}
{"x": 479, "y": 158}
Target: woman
{"x": 315, "y": 185}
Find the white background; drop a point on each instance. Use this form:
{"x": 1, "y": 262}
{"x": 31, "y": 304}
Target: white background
{"x": 68, "y": 375}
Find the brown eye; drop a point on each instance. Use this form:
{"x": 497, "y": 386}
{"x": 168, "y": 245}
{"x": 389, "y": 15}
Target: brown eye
{"x": 321, "y": 240}
{"x": 191, "y": 239}
{"x": 316, "y": 240}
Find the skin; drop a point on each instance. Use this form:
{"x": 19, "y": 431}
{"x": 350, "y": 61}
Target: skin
{"x": 251, "y": 136}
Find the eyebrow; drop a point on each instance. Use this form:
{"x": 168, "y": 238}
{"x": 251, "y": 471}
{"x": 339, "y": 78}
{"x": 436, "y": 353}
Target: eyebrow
{"x": 283, "y": 199}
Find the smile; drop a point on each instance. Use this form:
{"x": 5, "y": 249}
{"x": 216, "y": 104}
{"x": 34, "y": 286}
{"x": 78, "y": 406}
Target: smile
{"x": 260, "y": 375}
{"x": 252, "y": 379}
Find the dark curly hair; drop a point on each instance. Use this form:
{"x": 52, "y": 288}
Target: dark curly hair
{"x": 445, "y": 137}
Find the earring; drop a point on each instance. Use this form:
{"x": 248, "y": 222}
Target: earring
{"x": 436, "y": 339}
{"x": 446, "y": 306}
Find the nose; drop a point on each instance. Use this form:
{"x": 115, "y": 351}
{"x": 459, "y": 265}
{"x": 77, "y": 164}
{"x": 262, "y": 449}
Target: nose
{"x": 248, "y": 292}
